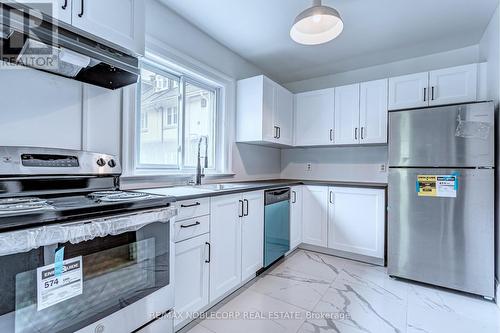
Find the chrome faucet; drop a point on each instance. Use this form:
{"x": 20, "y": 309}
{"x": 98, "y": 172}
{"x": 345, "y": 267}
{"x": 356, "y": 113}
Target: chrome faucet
{"x": 199, "y": 170}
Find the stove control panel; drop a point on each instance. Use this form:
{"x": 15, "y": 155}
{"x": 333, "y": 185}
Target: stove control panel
{"x": 49, "y": 161}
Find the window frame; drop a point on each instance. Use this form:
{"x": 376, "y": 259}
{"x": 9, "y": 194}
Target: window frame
{"x": 182, "y": 78}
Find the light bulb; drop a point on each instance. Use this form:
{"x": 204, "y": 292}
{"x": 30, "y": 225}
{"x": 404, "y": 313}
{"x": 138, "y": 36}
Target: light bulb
{"x": 316, "y": 18}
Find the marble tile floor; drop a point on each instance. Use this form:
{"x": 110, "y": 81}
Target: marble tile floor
{"x": 312, "y": 292}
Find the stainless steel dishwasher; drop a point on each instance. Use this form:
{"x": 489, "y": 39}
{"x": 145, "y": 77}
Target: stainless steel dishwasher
{"x": 276, "y": 225}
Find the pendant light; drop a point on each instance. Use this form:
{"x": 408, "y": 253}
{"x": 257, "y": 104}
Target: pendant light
{"x": 317, "y": 25}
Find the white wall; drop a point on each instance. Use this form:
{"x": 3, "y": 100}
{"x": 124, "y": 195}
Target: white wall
{"x": 40, "y": 109}
{"x": 463, "y": 56}
{"x": 360, "y": 164}
{"x": 489, "y": 49}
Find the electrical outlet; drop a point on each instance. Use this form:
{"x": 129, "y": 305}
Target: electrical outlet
{"x": 382, "y": 168}
{"x": 308, "y": 167}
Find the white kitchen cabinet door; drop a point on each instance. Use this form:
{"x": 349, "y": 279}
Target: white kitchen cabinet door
{"x": 191, "y": 275}
{"x": 252, "y": 234}
{"x": 58, "y": 9}
{"x": 295, "y": 217}
{"x": 269, "y": 102}
{"x": 314, "y": 117}
{"x": 453, "y": 85}
{"x": 121, "y": 22}
{"x": 315, "y": 215}
{"x": 373, "y": 112}
{"x": 347, "y": 130}
{"x": 284, "y": 115}
{"x": 409, "y": 91}
{"x": 356, "y": 221}
{"x": 225, "y": 240}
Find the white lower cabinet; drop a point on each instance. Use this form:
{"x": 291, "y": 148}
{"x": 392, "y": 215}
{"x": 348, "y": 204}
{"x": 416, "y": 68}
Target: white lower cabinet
{"x": 295, "y": 217}
{"x": 315, "y": 215}
{"x": 192, "y": 263}
{"x": 225, "y": 238}
{"x": 252, "y": 234}
{"x": 356, "y": 221}
{"x": 237, "y": 240}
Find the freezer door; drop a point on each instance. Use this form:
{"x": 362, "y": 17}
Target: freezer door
{"x": 449, "y": 136}
{"x": 447, "y": 242}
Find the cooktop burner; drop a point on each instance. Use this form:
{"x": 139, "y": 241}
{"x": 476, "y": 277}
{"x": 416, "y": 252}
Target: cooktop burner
{"x": 116, "y": 196}
{"x": 23, "y": 205}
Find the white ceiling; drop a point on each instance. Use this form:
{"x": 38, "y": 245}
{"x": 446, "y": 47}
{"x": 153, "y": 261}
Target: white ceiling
{"x": 375, "y": 31}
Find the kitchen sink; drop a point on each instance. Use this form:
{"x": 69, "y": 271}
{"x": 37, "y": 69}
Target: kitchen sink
{"x": 220, "y": 187}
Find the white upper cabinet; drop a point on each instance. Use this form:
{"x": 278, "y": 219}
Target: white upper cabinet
{"x": 252, "y": 234}
{"x": 355, "y": 230}
{"x": 264, "y": 112}
{"x": 373, "y": 112}
{"x": 284, "y": 115}
{"x": 314, "y": 118}
{"x": 315, "y": 215}
{"x": 121, "y": 22}
{"x": 347, "y": 115}
{"x": 439, "y": 87}
{"x": 453, "y": 85}
{"x": 60, "y": 9}
{"x": 409, "y": 91}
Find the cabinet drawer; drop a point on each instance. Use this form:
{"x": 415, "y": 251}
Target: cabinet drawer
{"x": 191, "y": 228}
{"x": 192, "y": 208}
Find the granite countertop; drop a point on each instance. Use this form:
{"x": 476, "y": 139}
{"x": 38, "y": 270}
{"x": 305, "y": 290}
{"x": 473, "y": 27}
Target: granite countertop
{"x": 209, "y": 190}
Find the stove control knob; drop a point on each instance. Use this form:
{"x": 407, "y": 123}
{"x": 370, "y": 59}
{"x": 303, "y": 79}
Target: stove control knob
{"x": 101, "y": 162}
{"x": 111, "y": 163}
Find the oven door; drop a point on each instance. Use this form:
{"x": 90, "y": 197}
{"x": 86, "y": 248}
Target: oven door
{"x": 65, "y": 278}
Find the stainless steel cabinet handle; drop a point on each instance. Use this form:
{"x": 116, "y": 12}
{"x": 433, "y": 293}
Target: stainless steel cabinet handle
{"x": 246, "y": 210}
{"x": 356, "y": 133}
{"x": 331, "y": 197}
{"x": 294, "y": 198}
{"x": 192, "y": 205}
{"x": 209, "y": 252}
{"x": 83, "y": 10}
{"x": 65, "y": 5}
{"x": 275, "y": 132}
{"x": 362, "y": 133}
{"x": 190, "y": 225}
{"x": 331, "y": 135}
{"x": 432, "y": 93}
{"x": 240, "y": 209}
{"x": 279, "y": 133}
{"x": 425, "y": 94}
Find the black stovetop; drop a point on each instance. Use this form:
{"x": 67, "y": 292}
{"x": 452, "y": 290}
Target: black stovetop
{"x": 66, "y": 208}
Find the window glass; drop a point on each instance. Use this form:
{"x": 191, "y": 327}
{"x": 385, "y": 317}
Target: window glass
{"x": 200, "y": 106}
{"x": 159, "y": 137}
{"x": 175, "y": 113}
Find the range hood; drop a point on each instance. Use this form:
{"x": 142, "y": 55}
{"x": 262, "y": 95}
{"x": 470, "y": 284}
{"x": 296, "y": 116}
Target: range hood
{"x": 36, "y": 40}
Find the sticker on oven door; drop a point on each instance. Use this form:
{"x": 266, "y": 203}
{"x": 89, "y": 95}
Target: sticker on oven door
{"x": 55, "y": 288}
{"x": 444, "y": 186}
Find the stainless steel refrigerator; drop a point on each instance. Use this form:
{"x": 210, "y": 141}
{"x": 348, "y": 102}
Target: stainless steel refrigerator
{"x": 441, "y": 196}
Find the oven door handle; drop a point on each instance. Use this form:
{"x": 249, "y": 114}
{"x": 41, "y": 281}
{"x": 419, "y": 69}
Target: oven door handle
{"x": 26, "y": 240}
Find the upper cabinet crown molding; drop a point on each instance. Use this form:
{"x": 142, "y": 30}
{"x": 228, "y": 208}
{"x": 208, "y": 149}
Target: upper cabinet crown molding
{"x": 264, "y": 112}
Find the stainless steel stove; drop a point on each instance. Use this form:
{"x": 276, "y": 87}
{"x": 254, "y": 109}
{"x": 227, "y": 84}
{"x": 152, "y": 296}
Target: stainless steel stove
{"x": 77, "y": 254}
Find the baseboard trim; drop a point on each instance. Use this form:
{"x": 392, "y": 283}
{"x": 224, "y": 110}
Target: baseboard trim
{"x": 342, "y": 254}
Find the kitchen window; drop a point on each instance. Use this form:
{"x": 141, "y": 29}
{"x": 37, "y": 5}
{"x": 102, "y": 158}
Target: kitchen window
{"x": 175, "y": 112}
